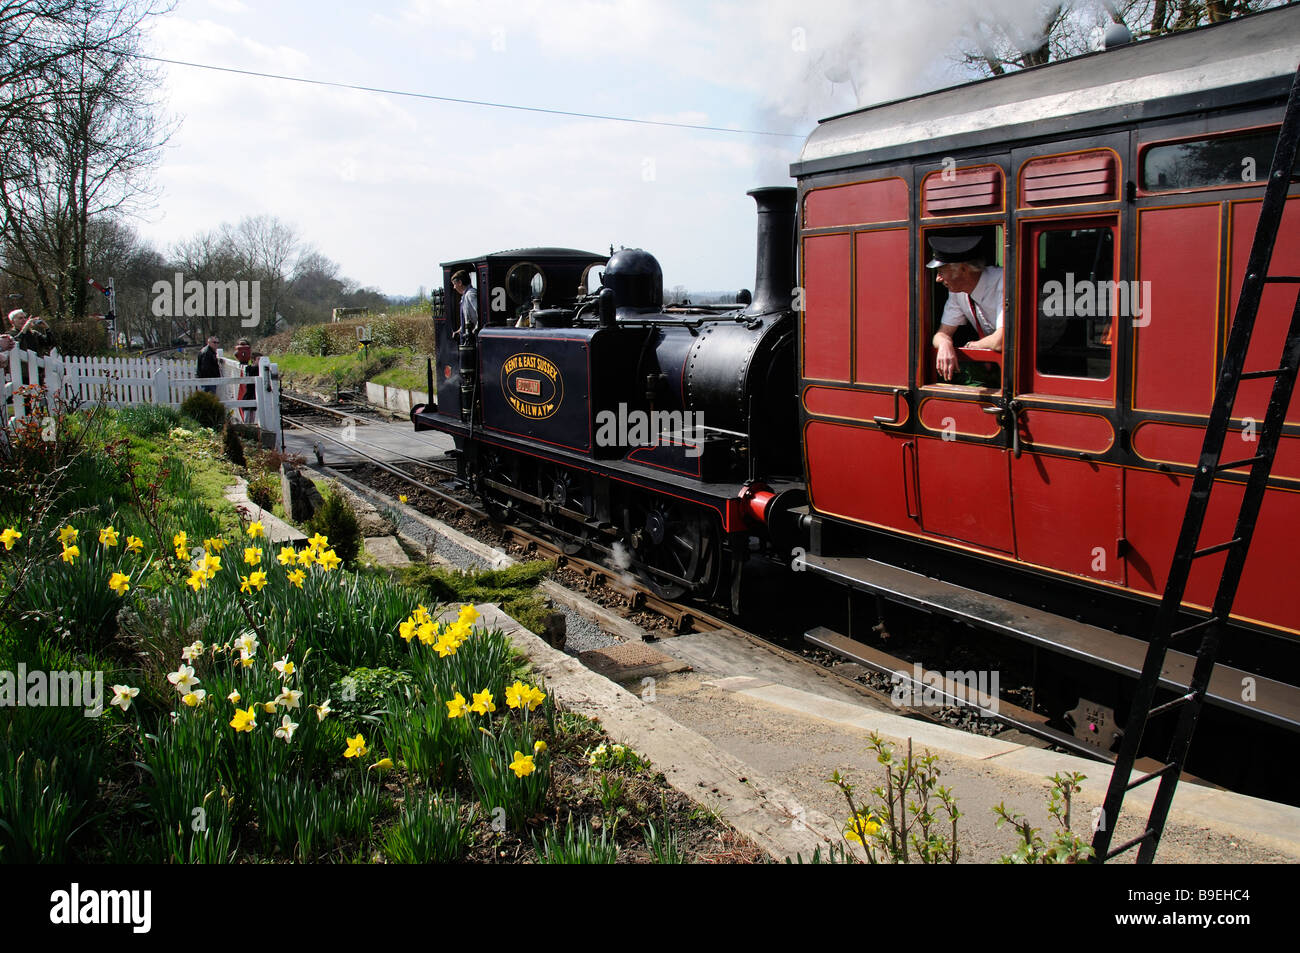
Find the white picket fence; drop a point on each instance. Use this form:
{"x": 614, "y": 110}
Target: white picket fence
{"x": 131, "y": 381}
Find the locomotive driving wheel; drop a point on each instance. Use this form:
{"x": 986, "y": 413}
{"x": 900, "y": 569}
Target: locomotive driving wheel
{"x": 569, "y": 508}
{"x": 497, "y": 469}
{"x": 676, "y": 547}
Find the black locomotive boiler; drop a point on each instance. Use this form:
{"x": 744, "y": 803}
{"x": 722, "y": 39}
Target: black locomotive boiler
{"x": 663, "y": 436}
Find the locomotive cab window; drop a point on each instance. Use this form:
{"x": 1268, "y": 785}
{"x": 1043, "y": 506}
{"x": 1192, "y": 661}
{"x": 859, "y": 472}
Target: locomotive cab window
{"x": 966, "y": 302}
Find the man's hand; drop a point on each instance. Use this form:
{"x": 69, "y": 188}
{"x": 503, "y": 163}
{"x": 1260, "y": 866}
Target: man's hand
{"x": 946, "y": 363}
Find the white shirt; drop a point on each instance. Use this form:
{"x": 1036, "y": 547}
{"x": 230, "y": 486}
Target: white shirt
{"x": 987, "y": 298}
{"x": 469, "y": 310}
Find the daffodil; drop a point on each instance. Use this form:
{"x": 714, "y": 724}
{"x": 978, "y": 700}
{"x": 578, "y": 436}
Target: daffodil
{"x": 322, "y": 710}
{"x": 522, "y": 766}
{"x": 329, "y": 559}
{"x": 383, "y": 764}
{"x": 535, "y": 698}
{"x": 468, "y": 614}
{"x": 122, "y": 695}
{"x": 108, "y": 536}
{"x": 539, "y": 747}
{"x": 288, "y": 556}
{"x": 483, "y": 703}
{"x": 198, "y": 580}
{"x": 253, "y": 555}
{"x": 296, "y": 577}
{"x": 306, "y": 557}
{"x": 269, "y": 707}
{"x": 183, "y": 678}
{"x": 456, "y": 707}
{"x": 192, "y": 651}
{"x": 356, "y": 747}
{"x": 9, "y": 537}
{"x": 257, "y": 580}
{"x": 446, "y": 645}
{"x": 244, "y": 719}
{"x": 288, "y": 698}
{"x": 234, "y": 697}
{"x": 255, "y": 530}
{"x": 421, "y": 614}
{"x": 427, "y": 632}
{"x": 318, "y": 542}
{"x": 134, "y": 543}
{"x": 407, "y": 629}
{"x": 209, "y": 564}
{"x": 70, "y": 554}
{"x": 214, "y": 544}
{"x": 67, "y": 535}
{"x": 287, "y": 727}
{"x": 514, "y": 693}
{"x": 179, "y": 541}
{"x": 283, "y": 666}
{"x": 247, "y": 643}
{"x": 861, "y": 825}
{"x": 401, "y": 498}
{"x": 194, "y": 698}
{"x": 118, "y": 582}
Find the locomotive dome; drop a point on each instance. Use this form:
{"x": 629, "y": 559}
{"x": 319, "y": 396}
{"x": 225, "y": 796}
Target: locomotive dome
{"x": 636, "y": 279}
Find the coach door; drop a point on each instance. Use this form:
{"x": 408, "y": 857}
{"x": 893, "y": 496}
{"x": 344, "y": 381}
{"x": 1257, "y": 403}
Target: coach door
{"x": 961, "y": 452}
{"x": 1067, "y": 497}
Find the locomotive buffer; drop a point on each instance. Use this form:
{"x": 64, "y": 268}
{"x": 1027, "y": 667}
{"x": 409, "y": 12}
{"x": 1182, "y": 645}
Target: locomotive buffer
{"x": 1211, "y": 463}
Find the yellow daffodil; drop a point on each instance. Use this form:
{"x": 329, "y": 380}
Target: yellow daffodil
{"x": 329, "y": 559}
{"x": 122, "y": 695}
{"x": 421, "y": 614}
{"x": 468, "y": 614}
{"x": 306, "y": 557}
{"x": 255, "y": 530}
{"x": 269, "y": 707}
{"x": 427, "y": 632}
{"x": 513, "y": 694}
{"x": 118, "y": 583}
{"x": 210, "y": 563}
{"x": 401, "y": 498}
{"x": 108, "y": 536}
{"x": 535, "y": 698}
{"x": 9, "y": 537}
{"x": 383, "y": 764}
{"x": 456, "y": 707}
{"x": 244, "y": 719}
{"x": 257, "y": 580}
{"x": 356, "y": 747}
{"x": 288, "y": 556}
{"x": 522, "y": 766}
{"x": 296, "y": 577}
{"x": 860, "y": 825}
{"x": 520, "y": 695}
{"x": 134, "y": 543}
{"x": 317, "y": 542}
{"x": 197, "y": 580}
{"x": 194, "y": 698}
{"x": 287, "y": 727}
{"x": 483, "y": 703}
{"x": 407, "y": 629}
{"x": 253, "y": 555}
{"x": 70, "y": 553}
{"x": 214, "y": 544}
{"x": 539, "y": 747}
{"x": 445, "y": 646}
{"x": 67, "y": 535}
{"x": 179, "y": 541}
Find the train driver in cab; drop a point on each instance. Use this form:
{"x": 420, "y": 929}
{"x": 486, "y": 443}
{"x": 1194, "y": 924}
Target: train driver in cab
{"x": 974, "y": 298}
{"x": 468, "y": 304}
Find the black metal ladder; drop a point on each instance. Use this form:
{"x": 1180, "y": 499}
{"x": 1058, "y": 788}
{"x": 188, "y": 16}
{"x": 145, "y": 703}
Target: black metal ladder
{"x": 1211, "y": 465}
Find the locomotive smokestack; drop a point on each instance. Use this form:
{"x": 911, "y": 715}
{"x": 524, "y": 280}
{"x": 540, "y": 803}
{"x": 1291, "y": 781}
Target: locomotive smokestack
{"x": 774, "y": 275}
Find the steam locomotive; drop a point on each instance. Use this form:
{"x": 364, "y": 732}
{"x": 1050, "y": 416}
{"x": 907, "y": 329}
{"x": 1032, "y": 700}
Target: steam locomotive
{"x": 1039, "y": 499}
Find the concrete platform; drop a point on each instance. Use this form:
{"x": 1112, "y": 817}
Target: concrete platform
{"x": 278, "y": 532}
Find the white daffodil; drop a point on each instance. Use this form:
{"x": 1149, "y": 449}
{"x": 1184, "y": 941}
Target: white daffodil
{"x": 183, "y": 678}
{"x": 194, "y": 698}
{"x": 284, "y": 667}
{"x": 322, "y": 710}
{"x": 286, "y": 729}
{"x": 288, "y": 698}
{"x": 122, "y": 695}
{"x": 192, "y": 651}
{"x": 247, "y": 644}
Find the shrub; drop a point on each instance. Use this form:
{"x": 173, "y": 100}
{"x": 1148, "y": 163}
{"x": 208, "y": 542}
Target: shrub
{"x": 205, "y": 409}
{"x": 314, "y": 339}
{"x": 234, "y": 447}
{"x": 337, "y": 521}
{"x": 264, "y": 490}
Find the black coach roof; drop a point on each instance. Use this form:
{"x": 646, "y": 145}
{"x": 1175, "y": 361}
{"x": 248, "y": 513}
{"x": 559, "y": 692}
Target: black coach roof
{"x": 1251, "y": 58}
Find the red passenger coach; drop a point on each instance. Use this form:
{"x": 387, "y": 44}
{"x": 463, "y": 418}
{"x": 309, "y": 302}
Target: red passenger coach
{"x": 1117, "y": 194}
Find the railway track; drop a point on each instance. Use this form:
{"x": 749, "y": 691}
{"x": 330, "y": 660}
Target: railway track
{"x": 629, "y": 595}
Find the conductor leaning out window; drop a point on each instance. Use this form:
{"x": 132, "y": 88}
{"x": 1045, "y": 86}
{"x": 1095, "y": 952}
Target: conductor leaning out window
{"x": 974, "y": 298}
{"x": 468, "y": 304}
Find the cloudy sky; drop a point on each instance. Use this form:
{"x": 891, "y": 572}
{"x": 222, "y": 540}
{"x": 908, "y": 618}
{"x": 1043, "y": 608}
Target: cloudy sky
{"x": 389, "y": 186}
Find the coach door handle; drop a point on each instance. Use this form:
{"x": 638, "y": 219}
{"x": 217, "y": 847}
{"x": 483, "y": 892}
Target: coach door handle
{"x": 1010, "y": 418}
{"x": 897, "y": 419}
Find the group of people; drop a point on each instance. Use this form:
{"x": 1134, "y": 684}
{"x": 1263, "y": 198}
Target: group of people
{"x": 209, "y": 366}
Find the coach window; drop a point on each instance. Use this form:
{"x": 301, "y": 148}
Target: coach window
{"x": 1241, "y": 158}
{"x": 976, "y": 367}
{"x": 1076, "y": 301}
